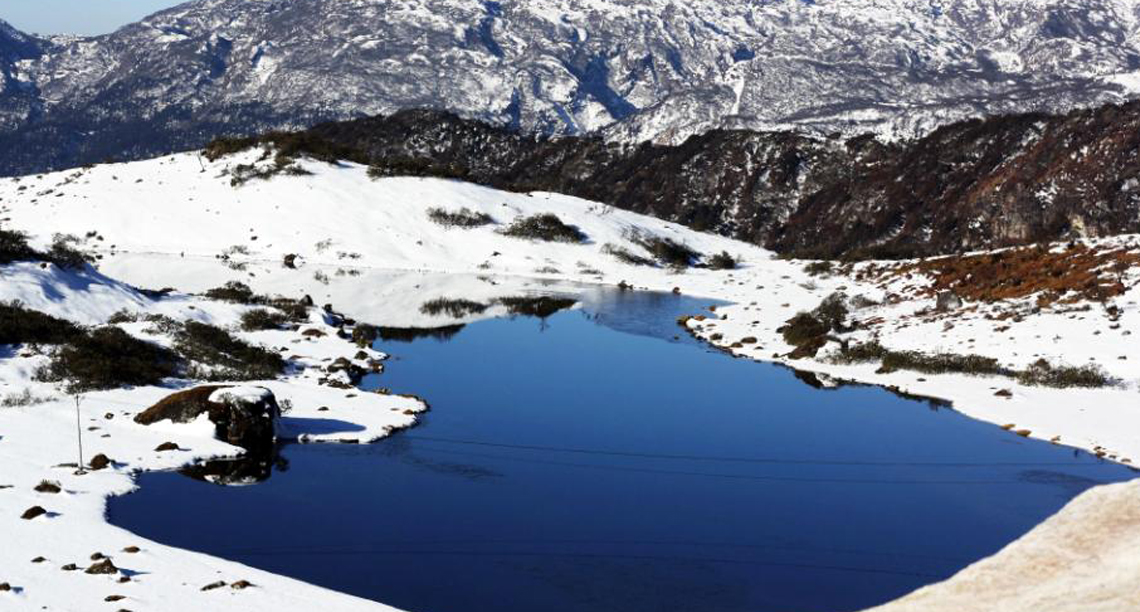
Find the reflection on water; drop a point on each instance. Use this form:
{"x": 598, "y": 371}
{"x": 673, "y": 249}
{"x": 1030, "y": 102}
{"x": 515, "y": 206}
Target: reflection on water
{"x": 411, "y": 334}
{"x": 581, "y": 463}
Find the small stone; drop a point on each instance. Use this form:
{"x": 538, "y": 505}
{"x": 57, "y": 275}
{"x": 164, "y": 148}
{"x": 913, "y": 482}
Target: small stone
{"x": 38, "y": 560}
{"x": 123, "y": 579}
{"x": 131, "y": 549}
{"x": 103, "y": 567}
{"x": 214, "y": 585}
{"x": 1024, "y": 433}
{"x": 97, "y": 556}
{"x": 241, "y": 584}
{"x": 1003, "y": 393}
{"x": 70, "y": 567}
{"x": 109, "y": 416}
{"x": 114, "y": 598}
{"x": 100, "y": 461}
{"x": 32, "y": 513}
{"x": 5, "y": 587}
{"x": 48, "y": 486}
{"x": 166, "y": 446}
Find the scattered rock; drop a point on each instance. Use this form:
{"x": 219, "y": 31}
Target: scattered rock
{"x": 97, "y": 555}
{"x": 70, "y": 567}
{"x": 102, "y": 567}
{"x": 100, "y": 461}
{"x": 114, "y": 598}
{"x": 241, "y": 584}
{"x": 1003, "y": 393}
{"x": 131, "y": 549}
{"x": 214, "y": 585}
{"x": 32, "y": 513}
{"x": 1024, "y": 433}
{"x": 166, "y": 446}
{"x": 5, "y": 587}
{"x": 947, "y": 301}
{"x": 48, "y": 486}
{"x": 39, "y": 560}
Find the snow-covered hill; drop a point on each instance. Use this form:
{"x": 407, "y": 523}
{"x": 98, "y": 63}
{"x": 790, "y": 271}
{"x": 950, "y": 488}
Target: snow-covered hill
{"x": 633, "y": 69}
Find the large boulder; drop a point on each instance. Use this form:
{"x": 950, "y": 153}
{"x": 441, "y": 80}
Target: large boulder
{"x": 245, "y": 416}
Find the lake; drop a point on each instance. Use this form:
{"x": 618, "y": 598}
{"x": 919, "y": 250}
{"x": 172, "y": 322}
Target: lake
{"x": 595, "y": 460}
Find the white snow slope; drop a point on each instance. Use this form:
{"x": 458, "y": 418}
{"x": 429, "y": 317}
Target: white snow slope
{"x": 368, "y": 246}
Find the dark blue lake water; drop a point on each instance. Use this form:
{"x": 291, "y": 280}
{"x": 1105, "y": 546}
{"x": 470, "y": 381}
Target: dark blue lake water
{"x": 571, "y": 465}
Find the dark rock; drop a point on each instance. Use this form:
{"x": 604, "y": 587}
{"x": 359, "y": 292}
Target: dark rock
{"x": 100, "y": 461}
{"x": 947, "y": 301}
{"x": 114, "y": 598}
{"x": 354, "y": 372}
{"x": 48, "y": 486}
{"x": 246, "y": 417}
{"x": 241, "y": 584}
{"x": 214, "y": 585}
{"x": 131, "y": 549}
{"x": 39, "y": 560}
{"x": 166, "y": 446}
{"x": 290, "y": 260}
{"x": 32, "y": 513}
{"x": 97, "y": 555}
{"x": 70, "y": 567}
{"x": 102, "y": 567}
{"x": 5, "y": 587}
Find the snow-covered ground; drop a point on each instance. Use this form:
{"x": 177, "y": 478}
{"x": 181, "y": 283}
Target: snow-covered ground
{"x": 38, "y": 441}
{"x": 368, "y": 247}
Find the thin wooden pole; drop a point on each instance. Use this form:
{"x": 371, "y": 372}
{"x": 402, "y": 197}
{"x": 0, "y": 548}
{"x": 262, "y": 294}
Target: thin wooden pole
{"x": 79, "y": 434}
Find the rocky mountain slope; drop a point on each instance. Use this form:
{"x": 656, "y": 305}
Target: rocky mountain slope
{"x": 629, "y": 69}
{"x": 975, "y": 184}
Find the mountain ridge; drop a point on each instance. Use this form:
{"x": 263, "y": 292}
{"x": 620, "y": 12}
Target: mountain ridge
{"x": 629, "y": 71}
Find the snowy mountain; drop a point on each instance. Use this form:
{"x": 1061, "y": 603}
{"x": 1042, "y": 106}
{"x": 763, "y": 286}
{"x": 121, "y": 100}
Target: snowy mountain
{"x": 631, "y": 69}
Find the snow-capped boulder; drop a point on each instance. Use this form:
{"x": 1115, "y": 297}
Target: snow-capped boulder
{"x": 245, "y": 416}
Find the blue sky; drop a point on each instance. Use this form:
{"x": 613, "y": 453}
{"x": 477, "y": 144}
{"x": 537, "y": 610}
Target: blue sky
{"x": 77, "y": 16}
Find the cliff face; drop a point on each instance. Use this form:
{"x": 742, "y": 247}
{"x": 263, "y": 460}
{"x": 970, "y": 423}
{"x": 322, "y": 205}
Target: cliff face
{"x": 970, "y": 185}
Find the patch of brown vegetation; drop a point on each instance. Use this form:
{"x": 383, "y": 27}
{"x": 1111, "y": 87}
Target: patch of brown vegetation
{"x": 1078, "y": 272}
